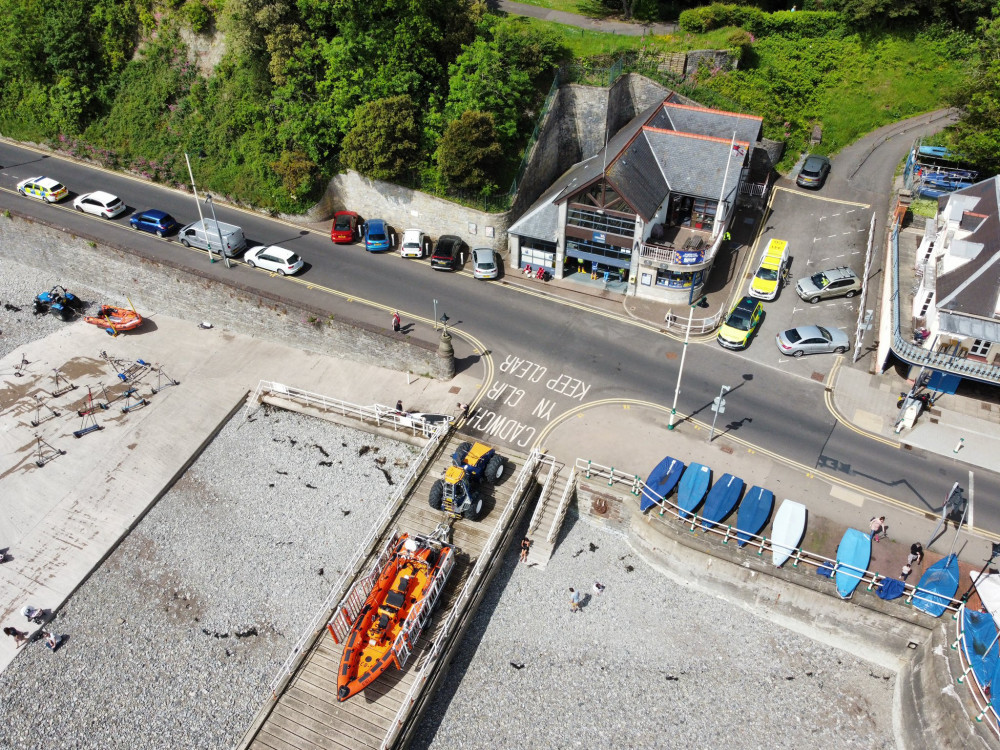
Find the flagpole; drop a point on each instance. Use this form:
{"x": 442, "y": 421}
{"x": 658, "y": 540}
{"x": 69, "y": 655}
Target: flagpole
{"x": 718, "y": 223}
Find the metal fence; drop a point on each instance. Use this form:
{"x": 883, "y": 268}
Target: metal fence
{"x": 698, "y": 325}
{"x": 757, "y": 544}
{"x": 982, "y": 695}
{"x": 546, "y": 106}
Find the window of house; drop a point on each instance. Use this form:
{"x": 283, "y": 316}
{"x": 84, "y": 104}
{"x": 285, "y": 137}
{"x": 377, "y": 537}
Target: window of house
{"x": 980, "y": 347}
{"x": 601, "y": 222}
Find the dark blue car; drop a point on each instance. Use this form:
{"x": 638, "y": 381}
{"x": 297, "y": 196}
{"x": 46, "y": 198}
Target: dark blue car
{"x": 155, "y": 222}
{"x": 378, "y": 236}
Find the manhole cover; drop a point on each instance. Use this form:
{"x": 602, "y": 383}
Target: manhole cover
{"x": 671, "y": 355}
{"x": 726, "y": 449}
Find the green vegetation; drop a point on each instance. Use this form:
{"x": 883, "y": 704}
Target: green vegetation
{"x": 924, "y": 207}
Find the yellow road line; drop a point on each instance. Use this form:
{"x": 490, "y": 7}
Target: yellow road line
{"x": 816, "y": 197}
{"x": 832, "y": 408}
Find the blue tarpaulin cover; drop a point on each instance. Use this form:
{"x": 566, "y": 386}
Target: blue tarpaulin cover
{"x": 937, "y": 586}
{"x": 980, "y": 643}
{"x": 891, "y": 588}
{"x": 826, "y": 569}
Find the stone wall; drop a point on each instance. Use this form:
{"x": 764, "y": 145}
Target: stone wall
{"x": 404, "y": 208}
{"x": 190, "y": 294}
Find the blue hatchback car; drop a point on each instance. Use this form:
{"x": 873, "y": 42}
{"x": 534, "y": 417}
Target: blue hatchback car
{"x": 155, "y": 222}
{"x": 378, "y": 236}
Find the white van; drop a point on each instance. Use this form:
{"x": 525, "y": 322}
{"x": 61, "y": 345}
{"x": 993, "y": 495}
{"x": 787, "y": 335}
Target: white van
{"x": 204, "y": 234}
{"x": 772, "y": 269}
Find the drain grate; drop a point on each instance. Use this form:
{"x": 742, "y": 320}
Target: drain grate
{"x": 726, "y": 449}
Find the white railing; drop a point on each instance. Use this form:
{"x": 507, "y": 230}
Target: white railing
{"x": 346, "y": 611}
{"x": 756, "y": 543}
{"x": 536, "y": 517}
{"x": 562, "y": 507}
{"x": 471, "y": 584}
{"x": 381, "y": 415}
{"x": 698, "y": 325}
{"x": 983, "y": 704}
{"x": 378, "y": 530}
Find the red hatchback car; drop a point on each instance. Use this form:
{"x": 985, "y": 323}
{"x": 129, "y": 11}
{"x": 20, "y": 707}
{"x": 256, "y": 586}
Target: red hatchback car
{"x": 345, "y": 227}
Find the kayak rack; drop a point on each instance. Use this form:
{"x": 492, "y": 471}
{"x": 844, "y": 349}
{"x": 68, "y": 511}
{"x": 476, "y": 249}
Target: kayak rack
{"x": 59, "y": 377}
{"x": 42, "y": 457}
{"x": 39, "y": 405}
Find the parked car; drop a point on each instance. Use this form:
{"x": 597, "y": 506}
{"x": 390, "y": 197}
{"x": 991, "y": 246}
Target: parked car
{"x": 484, "y": 263}
{"x": 154, "y": 221}
{"x": 812, "y": 340}
{"x": 414, "y": 244}
{"x": 834, "y": 282}
{"x": 813, "y": 172}
{"x": 43, "y": 188}
{"x": 741, "y": 324}
{"x": 447, "y": 252}
{"x": 772, "y": 269}
{"x": 346, "y": 226}
{"x": 205, "y": 234}
{"x": 99, "y": 203}
{"x": 378, "y": 236}
{"x": 274, "y": 258}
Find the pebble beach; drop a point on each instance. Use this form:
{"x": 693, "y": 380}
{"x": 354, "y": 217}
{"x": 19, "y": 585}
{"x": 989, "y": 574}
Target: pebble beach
{"x": 174, "y": 639}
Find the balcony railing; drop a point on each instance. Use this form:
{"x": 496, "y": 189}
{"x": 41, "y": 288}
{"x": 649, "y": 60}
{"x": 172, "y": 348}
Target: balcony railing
{"x": 917, "y": 355}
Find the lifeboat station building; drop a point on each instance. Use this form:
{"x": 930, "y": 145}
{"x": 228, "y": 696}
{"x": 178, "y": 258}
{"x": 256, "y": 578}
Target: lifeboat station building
{"x": 651, "y": 209}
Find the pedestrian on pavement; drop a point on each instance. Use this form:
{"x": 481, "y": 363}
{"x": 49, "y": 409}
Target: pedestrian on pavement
{"x": 916, "y": 554}
{"x": 20, "y": 638}
{"x": 399, "y": 405}
{"x": 574, "y": 600}
{"x": 525, "y": 548}
{"x": 463, "y": 410}
{"x": 906, "y": 571}
{"x": 599, "y": 588}
{"x": 395, "y": 321}
{"x": 876, "y": 527}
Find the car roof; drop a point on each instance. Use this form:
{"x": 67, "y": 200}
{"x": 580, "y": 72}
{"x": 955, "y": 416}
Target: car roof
{"x": 411, "y": 234}
{"x": 154, "y": 213}
{"x": 747, "y": 303}
{"x": 841, "y": 272}
{"x": 46, "y": 182}
{"x": 100, "y": 195}
{"x": 375, "y": 223}
{"x": 807, "y": 332}
{"x": 275, "y": 249}
{"x": 815, "y": 160}
{"x": 345, "y": 213}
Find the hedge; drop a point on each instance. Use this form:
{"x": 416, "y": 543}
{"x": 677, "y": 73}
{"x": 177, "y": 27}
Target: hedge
{"x": 789, "y": 24}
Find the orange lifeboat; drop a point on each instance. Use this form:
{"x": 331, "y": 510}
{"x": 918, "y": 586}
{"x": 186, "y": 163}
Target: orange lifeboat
{"x": 389, "y": 623}
{"x": 115, "y": 319}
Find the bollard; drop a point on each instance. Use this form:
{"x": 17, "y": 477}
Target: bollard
{"x": 961, "y": 678}
{"x": 611, "y": 477}
{"x": 729, "y": 530}
{"x": 983, "y": 712}
{"x": 958, "y": 447}
{"x": 798, "y": 556}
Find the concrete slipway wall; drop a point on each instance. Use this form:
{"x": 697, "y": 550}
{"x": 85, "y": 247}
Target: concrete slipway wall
{"x": 154, "y": 284}
{"x": 930, "y": 710}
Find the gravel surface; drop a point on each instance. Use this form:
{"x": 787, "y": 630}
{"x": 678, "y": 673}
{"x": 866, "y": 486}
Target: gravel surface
{"x": 173, "y": 641}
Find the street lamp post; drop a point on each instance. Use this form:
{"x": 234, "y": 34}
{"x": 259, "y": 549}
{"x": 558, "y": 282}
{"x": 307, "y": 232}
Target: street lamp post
{"x": 198, "y": 204}
{"x": 218, "y": 230}
{"x": 687, "y": 335}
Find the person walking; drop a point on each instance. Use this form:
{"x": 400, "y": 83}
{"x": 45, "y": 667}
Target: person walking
{"x": 20, "y": 637}
{"x": 916, "y": 555}
{"x": 906, "y": 571}
{"x": 876, "y": 527}
{"x": 525, "y": 549}
{"x": 463, "y": 410}
{"x": 574, "y": 600}
{"x": 395, "y": 321}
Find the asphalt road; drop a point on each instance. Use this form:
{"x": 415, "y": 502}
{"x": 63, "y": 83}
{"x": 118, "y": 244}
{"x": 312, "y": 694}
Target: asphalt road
{"x": 548, "y": 356}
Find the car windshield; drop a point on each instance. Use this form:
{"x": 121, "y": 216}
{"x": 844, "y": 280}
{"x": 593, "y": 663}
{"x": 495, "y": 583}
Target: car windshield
{"x": 376, "y": 237}
{"x": 168, "y": 219}
{"x": 484, "y": 264}
{"x": 739, "y": 320}
{"x": 412, "y": 243}
{"x": 812, "y": 166}
{"x": 820, "y": 280}
{"x": 825, "y": 333}
{"x": 767, "y": 274}
{"x": 343, "y": 222}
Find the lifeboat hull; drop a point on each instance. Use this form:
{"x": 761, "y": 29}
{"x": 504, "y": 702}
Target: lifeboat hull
{"x": 117, "y": 318}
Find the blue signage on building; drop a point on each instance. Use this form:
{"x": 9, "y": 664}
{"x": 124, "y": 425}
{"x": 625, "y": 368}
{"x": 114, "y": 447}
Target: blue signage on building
{"x": 689, "y": 257}
{"x": 600, "y": 237}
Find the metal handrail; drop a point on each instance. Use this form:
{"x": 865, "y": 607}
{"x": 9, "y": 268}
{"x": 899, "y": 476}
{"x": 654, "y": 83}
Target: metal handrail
{"x": 698, "y": 325}
{"x": 562, "y": 507}
{"x": 966, "y": 662}
{"x": 471, "y": 583}
{"x": 378, "y": 530}
{"x": 536, "y": 517}
{"x": 760, "y": 543}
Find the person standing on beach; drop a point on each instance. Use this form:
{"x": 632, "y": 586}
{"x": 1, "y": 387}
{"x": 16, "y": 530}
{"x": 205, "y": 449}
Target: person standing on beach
{"x": 525, "y": 548}
{"x": 574, "y": 600}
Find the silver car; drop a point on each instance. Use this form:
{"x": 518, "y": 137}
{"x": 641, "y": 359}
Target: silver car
{"x": 834, "y": 282}
{"x": 484, "y": 263}
{"x": 812, "y": 340}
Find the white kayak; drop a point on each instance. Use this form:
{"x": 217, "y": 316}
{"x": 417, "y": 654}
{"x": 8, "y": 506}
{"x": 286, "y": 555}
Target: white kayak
{"x": 786, "y": 530}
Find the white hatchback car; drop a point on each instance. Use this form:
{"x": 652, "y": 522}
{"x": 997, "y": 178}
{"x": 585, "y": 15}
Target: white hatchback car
{"x": 274, "y": 258}
{"x": 484, "y": 263}
{"x": 99, "y": 203}
{"x": 414, "y": 244}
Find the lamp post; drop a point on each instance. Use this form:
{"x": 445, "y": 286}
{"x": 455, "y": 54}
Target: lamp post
{"x": 994, "y": 553}
{"x": 218, "y": 230}
{"x": 444, "y": 322}
{"x": 198, "y": 204}
{"x": 703, "y": 302}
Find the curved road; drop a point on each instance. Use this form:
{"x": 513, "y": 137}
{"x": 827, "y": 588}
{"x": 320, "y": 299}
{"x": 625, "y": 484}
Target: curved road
{"x": 547, "y": 356}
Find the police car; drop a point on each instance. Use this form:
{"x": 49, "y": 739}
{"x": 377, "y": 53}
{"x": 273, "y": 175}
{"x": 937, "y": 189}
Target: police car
{"x": 43, "y": 188}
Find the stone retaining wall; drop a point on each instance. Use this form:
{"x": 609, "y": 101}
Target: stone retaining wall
{"x": 189, "y": 294}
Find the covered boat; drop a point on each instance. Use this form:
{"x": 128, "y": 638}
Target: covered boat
{"x": 660, "y": 483}
{"x": 693, "y": 486}
{"x": 115, "y": 319}
{"x": 938, "y": 586}
{"x": 853, "y": 555}
{"x": 721, "y": 500}
{"x": 753, "y": 513}
{"x": 408, "y": 578}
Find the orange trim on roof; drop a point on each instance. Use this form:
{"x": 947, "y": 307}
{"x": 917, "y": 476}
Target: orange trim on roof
{"x": 675, "y": 105}
{"x": 682, "y": 134}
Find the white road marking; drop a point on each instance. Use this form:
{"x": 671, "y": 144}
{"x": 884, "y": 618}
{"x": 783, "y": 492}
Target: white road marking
{"x": 971, "y": 493}
{"x": 832, "y": 237}
{"x": 835, "y": 214}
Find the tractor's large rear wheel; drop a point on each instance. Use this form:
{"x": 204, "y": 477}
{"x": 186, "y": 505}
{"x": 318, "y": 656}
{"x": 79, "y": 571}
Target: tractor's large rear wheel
{"x": 461, "y": 452}
{"x": 494, "y": 469}
{"x": 436, "y": 495}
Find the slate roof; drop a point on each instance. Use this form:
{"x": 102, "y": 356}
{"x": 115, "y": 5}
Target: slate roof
{"x": 974, "y": 288}
{"x": 668, "y": 147}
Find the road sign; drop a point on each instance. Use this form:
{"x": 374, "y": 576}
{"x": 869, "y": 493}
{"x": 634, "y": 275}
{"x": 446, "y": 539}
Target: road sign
{"x": 719, "y": 405}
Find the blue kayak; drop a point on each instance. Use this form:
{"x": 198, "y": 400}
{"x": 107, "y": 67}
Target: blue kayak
{"x": 753, "y": 513}
{"x": 661, "y": 482}
{"x": 853, "y": 556}
{"x": 721, "y": 500}
{"x": 938, "y": 586}
{"x": 692, "y": 488}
